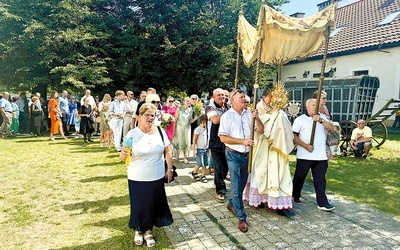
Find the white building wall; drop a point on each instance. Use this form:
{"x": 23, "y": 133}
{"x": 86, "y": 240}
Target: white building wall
{"x": 384, "y": 65}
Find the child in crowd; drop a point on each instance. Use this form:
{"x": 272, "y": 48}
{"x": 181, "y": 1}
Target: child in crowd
{"x": 335, "y": 149}
{"x": 200, "y": 151}
{"x": 105, "y": 130}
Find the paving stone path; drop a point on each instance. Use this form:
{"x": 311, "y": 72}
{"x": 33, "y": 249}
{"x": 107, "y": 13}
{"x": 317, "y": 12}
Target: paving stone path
{"x": 203, "y": 223}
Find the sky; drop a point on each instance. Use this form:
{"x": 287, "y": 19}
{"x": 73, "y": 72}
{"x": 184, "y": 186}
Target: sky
{"x": 309, "y": 7}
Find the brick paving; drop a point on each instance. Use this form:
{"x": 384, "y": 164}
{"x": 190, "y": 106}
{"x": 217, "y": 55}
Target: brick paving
{"x": 203, "y": 223}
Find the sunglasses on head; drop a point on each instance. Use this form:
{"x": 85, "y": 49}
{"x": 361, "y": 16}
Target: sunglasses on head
{"x": 236, "y": 91}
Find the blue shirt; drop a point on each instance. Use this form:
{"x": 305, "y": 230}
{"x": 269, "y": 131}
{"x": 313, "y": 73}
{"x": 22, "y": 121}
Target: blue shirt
{"x": 63, "y": 103}
{"x": 117, "y": 108}
{"x": 4, "y": 103}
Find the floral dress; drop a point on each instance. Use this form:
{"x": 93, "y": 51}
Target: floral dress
{"x": 170, "y": 130}
{"x": 181, "y": 137}
{"x": 72, "y": 113}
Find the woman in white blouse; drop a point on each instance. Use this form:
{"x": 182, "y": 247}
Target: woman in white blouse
{"x": 146, "y": 173}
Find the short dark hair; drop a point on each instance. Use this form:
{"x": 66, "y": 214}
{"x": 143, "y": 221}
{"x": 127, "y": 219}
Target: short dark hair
{"x": 203, "y": 118}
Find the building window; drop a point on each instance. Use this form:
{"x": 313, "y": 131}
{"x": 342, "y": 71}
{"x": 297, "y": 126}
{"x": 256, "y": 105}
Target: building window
{"x": 316, "y": 75}
{"x": 360, "y": 73}
{"x": 389, "y": 18}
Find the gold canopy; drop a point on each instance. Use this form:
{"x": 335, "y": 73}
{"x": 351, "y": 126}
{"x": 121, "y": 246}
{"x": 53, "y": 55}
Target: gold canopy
{"x": 284, "y": 38}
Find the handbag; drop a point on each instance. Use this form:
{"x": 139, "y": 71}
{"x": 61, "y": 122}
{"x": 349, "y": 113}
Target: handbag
{"x": 332, "y": 137}
{"x": 174, "y": 173}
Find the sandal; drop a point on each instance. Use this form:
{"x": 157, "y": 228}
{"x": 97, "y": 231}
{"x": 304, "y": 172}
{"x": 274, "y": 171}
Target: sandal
{"x": 150, "y": 242}
{"x": 195, "y": 176}
{"x": 138, "y": 239}
{"x": 204, "y": 179}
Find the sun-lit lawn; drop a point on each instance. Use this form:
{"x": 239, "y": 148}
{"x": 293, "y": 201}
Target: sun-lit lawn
{"x": 374, "y": 181}
{"x": 63, "y": 195}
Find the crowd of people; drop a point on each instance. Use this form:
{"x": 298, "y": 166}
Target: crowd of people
{"x": 219, "y": 134}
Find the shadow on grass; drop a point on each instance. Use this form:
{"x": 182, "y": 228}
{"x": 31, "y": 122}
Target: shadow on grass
{"x": 86, "y": 149}
{"x": 104, "y": 165}
{"x": 104, "y": 178}
{"x": 125, "y": 238}
{"x": 98, "y": 206}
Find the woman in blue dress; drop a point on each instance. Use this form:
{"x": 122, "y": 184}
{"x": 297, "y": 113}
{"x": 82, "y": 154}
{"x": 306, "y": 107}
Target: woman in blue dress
{"x": 73, "y": 111}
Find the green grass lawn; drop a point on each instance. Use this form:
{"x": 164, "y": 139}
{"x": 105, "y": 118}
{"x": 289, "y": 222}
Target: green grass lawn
{"x": 374, "y": 181}
{"x": 63, "y": 195}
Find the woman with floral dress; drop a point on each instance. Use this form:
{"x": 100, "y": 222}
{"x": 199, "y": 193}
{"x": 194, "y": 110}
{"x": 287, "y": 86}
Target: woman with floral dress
{"x": 182, "y": 131}
{"x": 171, "y": 109}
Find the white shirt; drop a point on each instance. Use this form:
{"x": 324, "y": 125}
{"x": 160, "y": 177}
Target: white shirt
{"x": 237, "y": 126}
{"x": 147, "y": 161}
{"x": 131, "y": 106}
{"x": 116, "y": 107}
{"x": 202, "y": 140}
{"x": 303, "y": 126}
{"x": 6, "y": 105}
{"x": 91, "y": 101}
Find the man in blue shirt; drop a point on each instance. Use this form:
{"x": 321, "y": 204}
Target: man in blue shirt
{"x": 6, "y": 112}
{"x": 64, "y": 107}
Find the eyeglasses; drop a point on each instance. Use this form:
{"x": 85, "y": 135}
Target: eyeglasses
{"x": 149, "y": 115}
{"x": 171, "y": 100}
{"x": 154, "y": 102}
{"x": 194, "y": 98}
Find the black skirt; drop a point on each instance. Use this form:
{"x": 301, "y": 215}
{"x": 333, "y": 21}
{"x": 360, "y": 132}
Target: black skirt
{"x": 149, "y": 205}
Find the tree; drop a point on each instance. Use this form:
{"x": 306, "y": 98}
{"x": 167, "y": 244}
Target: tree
{"x": 107, "y": 45}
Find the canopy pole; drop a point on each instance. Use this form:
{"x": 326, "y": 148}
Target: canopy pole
{"x": 279, "y": 70}
{"x": 237, "y": 67}
{"x": 255, "y": 96}
{"x": 320, "y": 83}
{"x": 238, "y": 57}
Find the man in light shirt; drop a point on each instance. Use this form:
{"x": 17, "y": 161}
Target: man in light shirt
{"x": 234, "y": 132}
{"x": 7, "y": 113}
{"x": 131, "y": 106}
{"x": 91, "y": 99}
{"x": 117, "y": 111}
{"x": 63, "y": 103}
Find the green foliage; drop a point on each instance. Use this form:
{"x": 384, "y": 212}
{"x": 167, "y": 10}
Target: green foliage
{"x": 107, "y": 45}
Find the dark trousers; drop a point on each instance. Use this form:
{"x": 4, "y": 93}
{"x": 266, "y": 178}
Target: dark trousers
{"x": 220, "y": 171}
{"x": 22, "y": 122}
{"x": 318, "y": 170}
{"x": 64, "y": 120}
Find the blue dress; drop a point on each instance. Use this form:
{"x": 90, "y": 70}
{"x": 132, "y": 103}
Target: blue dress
{"x": 72, "y": 113}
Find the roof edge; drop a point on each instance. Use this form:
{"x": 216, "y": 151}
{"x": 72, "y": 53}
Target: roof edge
{"x": 349, "y": 52}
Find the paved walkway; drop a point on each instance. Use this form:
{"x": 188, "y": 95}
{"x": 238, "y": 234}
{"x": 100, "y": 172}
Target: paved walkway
{"x": 203, "y": 223}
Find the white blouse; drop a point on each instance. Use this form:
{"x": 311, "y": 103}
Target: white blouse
{"x": 147, "y": 161}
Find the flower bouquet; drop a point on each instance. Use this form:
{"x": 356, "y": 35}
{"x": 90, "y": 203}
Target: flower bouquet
{"x": 198, "y": 109}
{"x": 166, "y": 120}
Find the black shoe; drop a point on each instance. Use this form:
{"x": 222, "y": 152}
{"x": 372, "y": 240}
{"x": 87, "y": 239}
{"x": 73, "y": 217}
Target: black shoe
{"x": 296, "y": 201}
{"x": 286, "y": 213}
{"x": 90, "y": 140}
{"x": 327, "y": 207}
